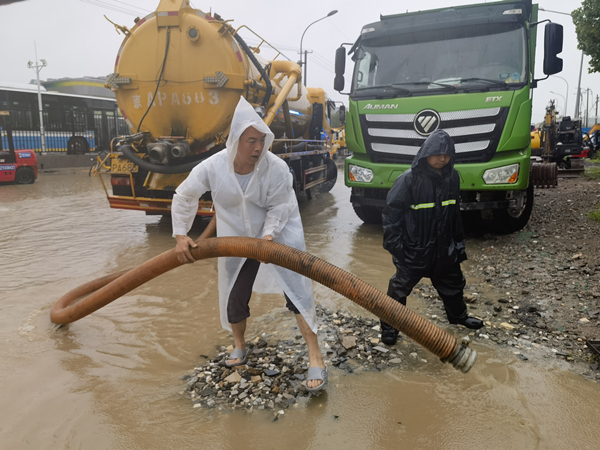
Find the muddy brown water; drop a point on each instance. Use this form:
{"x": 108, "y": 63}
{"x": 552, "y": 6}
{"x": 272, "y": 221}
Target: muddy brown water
{"x": 113, "y": 379}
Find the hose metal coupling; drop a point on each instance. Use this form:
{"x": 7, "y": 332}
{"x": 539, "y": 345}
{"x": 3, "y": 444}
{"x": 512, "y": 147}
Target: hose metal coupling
{"x": 464, "y": 357}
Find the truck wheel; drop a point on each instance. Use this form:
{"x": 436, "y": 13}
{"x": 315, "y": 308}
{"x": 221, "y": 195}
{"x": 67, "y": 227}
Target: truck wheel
{"x": 510, "y": 220}
{"x": 368, "y": 214}
{"x": 77, "y": 145}
{"x": 331, "y": 176}
{"x": 294, "y": 181}
{"x": 24, "y": 175}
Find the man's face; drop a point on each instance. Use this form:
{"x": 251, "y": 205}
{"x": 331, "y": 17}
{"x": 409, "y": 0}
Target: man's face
{"x": 438, "y": 161}
{"x": 250, "y": 146}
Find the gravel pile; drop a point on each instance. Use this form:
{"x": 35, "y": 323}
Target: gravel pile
{"x": 274, "y": 377}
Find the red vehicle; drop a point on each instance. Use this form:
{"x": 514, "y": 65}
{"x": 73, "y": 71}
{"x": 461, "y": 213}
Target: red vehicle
{"x": 18, "y": 166}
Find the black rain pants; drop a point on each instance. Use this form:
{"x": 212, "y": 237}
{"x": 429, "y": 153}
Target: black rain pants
{"x": 449, "y": 284}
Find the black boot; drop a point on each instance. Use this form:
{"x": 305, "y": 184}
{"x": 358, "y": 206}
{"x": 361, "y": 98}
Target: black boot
{"x": 389, "y": 335}
{"x": 469, "y": 322}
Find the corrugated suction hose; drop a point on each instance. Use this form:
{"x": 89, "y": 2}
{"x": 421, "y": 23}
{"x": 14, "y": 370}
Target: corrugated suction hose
{"x": 107, "y": 289}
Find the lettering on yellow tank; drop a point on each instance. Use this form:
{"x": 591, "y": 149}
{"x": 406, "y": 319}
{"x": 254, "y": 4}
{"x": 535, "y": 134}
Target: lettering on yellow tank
{"x": 160, "y": 96}
{"x": 187, "y": 98}
{"x": 214, "y": 97}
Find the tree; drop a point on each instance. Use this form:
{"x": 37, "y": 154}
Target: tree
{"x": 587, "y": 26}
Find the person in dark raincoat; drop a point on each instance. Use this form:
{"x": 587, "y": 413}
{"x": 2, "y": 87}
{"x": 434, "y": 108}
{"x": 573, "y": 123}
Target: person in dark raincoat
{"x": 423, "y": 231}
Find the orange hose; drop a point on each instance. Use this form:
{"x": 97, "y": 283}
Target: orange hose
{"x": 107, "y": 289}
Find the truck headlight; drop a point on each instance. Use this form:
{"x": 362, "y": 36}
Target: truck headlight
{"x": 360, "y": 174}
{"x": 502, "y": 175}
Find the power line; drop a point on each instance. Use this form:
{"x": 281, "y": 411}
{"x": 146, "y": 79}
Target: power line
{"x": 268, "y": 47}
{"x": 318, "y": 61}
{"x": 283, "y": 47}
{"x": 323, "y": 59}
{"x": 135, "y": 6}
{"x": 321, "y": 56}
{"x": 316, "y": 58}
{"x": 343, "y": 34}
{"x": 325, "y": 68}
{"x": 108, "y": 6}
{"x": 328, "y": 69}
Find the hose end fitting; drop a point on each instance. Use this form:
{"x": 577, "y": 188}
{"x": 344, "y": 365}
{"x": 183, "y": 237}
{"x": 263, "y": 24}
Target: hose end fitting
{"x": 464, "y": 357}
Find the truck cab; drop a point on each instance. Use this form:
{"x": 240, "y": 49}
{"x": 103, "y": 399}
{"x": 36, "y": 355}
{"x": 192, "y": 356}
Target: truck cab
{"x": 467, "y": 70}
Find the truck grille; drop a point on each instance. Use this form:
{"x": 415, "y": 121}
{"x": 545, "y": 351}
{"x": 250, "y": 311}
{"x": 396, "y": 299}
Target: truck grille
{"x": 392, "y": 138}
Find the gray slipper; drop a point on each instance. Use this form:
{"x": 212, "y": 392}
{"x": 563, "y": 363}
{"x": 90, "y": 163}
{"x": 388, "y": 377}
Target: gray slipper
{"x": 317, "y": 373}
{"x": 240, "y": 354}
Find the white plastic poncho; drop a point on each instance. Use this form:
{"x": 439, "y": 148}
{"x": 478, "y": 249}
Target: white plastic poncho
{"x": 268, "y": 206}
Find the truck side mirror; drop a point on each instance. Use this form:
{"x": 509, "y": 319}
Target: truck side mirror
{"x": 340, "y": 68}
{"x": 553, "y": 45}
{"x": 342, "y": 115}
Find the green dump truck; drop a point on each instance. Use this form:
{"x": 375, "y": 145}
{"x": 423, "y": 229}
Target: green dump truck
{"x": 468, "y": 70}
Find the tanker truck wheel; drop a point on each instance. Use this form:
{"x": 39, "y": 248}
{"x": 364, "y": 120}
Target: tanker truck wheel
{"x": 331, "y": 176}
{"x": 514, "y": 219}
{"x": 368, "y": 214}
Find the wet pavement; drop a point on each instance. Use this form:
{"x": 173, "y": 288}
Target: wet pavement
{"x": 114, "y": 379}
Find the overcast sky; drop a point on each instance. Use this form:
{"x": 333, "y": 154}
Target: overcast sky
{"x": 76, "y": 40}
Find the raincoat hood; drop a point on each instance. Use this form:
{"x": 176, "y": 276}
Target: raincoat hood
{"x": 245, "y": 116}
{"x": 438, "y": 143}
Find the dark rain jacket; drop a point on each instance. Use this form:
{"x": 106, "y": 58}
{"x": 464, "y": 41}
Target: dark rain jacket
{"x": 422, "y": 224}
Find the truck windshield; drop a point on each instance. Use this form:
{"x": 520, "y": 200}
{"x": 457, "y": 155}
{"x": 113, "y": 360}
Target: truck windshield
{"x": 486, "y": 56}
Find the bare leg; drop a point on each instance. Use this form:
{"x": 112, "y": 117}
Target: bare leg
{"x": 239, "y": 329}
{"x": 314, "y": 353}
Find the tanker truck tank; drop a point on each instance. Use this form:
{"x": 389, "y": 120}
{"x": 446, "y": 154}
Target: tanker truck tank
{"x": 179, "y": 75}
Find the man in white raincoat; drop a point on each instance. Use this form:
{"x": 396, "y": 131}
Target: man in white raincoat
{"x": 253, "y": 196}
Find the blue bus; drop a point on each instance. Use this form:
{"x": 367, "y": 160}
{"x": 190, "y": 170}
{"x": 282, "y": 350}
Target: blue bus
{"x": 73, "y": 124}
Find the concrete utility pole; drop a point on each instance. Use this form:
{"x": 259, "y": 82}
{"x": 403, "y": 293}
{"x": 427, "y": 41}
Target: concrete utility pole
{"x": 38, "y": 67}
{"x": 578, "y": 104}
{"x": 587, "y": 105}
{"x": 306, "y": 52}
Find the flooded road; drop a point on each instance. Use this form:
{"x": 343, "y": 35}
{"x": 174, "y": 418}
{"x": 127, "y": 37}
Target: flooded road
{"x": 113, "y": 379}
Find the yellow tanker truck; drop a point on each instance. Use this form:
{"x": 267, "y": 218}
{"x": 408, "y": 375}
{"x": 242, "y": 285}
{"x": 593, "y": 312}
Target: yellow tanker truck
{"x": 178, "y": 77}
